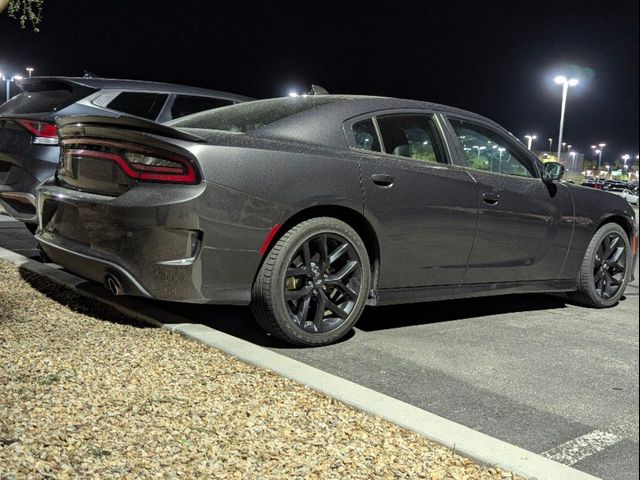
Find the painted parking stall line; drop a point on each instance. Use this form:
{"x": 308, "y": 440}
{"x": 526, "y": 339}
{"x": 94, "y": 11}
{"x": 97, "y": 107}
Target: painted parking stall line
{"x": 571, "y": 452}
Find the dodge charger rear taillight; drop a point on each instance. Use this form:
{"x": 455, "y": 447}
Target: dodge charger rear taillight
{"x": 43, "y": 133}
{"x": 137, "y": 162}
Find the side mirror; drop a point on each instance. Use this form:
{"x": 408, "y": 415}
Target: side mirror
{"x": 553, "y": 171}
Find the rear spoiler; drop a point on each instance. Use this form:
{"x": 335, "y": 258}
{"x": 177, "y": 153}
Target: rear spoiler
{"x": 36, "y": 84}
{"x": 96, "y": 126}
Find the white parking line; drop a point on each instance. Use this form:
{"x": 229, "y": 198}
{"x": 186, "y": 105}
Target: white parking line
{"x": 582, "y": 447}
{"x": 579, "y": 448}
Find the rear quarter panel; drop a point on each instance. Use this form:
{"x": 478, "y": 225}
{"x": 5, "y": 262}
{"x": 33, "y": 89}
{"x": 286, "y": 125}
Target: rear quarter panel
{"x": 248, "y": 191}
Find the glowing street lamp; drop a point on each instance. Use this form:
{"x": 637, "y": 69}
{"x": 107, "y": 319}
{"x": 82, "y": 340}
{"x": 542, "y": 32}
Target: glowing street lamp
{"x": 566, "y": 83}
{"x": 479, "y": 149}
{"x": 550, "y": 144}
{"x": 29, "y": 70}
{"x": 530, "y": 139}
{"x": 9, "y": 80}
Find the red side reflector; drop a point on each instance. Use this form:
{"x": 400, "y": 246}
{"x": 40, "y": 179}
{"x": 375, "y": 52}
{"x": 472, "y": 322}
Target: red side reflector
{"x": 269, "y": 238}
{"x": 634, "y": 245}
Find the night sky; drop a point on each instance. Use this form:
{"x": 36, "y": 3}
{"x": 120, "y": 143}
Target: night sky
{"x": 494, "y": 58}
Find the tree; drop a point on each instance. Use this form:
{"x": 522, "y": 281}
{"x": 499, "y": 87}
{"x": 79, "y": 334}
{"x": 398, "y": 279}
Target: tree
{"x": 25, "y": 11}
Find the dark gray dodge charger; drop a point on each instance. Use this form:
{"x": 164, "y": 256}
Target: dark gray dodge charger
{"x": 310, "y": 208}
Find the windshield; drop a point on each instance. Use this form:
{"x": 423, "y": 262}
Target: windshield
{"x": 245, "y": 117}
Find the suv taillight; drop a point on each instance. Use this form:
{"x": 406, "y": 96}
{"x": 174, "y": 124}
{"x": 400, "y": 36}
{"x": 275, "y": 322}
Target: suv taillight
{"x": 44, "y": 133}
{"x": 137, "y": 162}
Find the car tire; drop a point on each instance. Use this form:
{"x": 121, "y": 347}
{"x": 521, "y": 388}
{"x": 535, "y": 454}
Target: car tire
{"x": 309, "y": 294}
{"x": 605, "y": 269}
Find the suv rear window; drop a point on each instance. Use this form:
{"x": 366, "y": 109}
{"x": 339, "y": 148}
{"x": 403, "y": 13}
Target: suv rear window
{"x": 245, "y": 117}
{"x": 37, "y": 102}
{"x": 186, "y": 105}
{"x": 140, "y": 104}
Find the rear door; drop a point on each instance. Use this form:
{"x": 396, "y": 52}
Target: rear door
{"x": 423, "y": 206}
{"x": 524, "y": 224}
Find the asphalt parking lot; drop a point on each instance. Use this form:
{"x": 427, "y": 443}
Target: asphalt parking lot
{"x": 531, "y": 370}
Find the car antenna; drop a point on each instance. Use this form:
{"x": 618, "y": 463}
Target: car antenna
{"x": 317, "y": 90}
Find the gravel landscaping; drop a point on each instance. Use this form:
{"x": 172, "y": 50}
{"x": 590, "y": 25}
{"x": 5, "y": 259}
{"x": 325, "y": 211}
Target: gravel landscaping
{"x": 88, "y": 393}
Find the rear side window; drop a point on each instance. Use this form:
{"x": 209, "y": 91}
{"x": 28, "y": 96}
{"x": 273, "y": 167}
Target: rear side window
{"x": 186, "y": 105}
{"x": 366, "y": 136}
{"x": 411, "y": 136}
{"x": 140, "y": 104}
{"x": 37, "y": 102}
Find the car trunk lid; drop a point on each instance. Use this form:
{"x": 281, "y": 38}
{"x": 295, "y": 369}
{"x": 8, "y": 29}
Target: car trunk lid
{"x": 109, "y": 156}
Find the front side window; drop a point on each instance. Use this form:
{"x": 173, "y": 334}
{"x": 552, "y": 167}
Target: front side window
{"x": 411, "y": 136}
{"x": 366, "y": 136}
{"x": 140, "y": 104}
{"x": 487, "y": 150}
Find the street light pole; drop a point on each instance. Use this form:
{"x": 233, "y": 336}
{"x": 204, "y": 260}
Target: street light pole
{"x": 573, "y": 160}
{"x": 601, "y": 145}
{"x": 566, "y": 83}
{"x": 626, "y": 157}
{"x": 550, "y": 144}
{"x": 29, "y": 70}
{"x": 530, "y": 139}
{"x": 9, "y": 80}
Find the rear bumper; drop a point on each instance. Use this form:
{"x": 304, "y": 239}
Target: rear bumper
{"x": 20, "y": 176}
{"x": 20, "y": 205}
{"x": 92, "y": 268}
{"x": 155, "y": 240}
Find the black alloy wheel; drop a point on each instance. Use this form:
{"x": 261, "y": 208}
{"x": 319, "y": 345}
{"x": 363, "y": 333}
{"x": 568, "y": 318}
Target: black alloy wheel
{"x": 604, "y": 272}
{"x": 314, "y": 283}
{"x": 610, "y": 265}
{"x": 322, "y": 283}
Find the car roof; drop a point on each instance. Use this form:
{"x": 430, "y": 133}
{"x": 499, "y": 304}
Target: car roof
{"x": 140, "y": 85}
{"x": 323, "y": 123}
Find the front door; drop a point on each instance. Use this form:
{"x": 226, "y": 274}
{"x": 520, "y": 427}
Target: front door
{"x": 524, "y": 223}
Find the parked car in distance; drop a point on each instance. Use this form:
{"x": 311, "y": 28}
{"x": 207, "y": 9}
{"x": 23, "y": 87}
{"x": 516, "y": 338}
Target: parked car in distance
{"x": 596, "y": 183}
{"x": 310, "y": 208}
{"x": 29, "y": 150}
{"x": 630, "y": 194}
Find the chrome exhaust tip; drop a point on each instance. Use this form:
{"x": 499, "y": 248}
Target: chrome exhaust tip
{"x": 113, "y": 284}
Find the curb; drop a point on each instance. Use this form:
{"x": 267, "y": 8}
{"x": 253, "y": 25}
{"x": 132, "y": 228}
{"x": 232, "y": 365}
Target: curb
{"x": 467, "y": 442}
